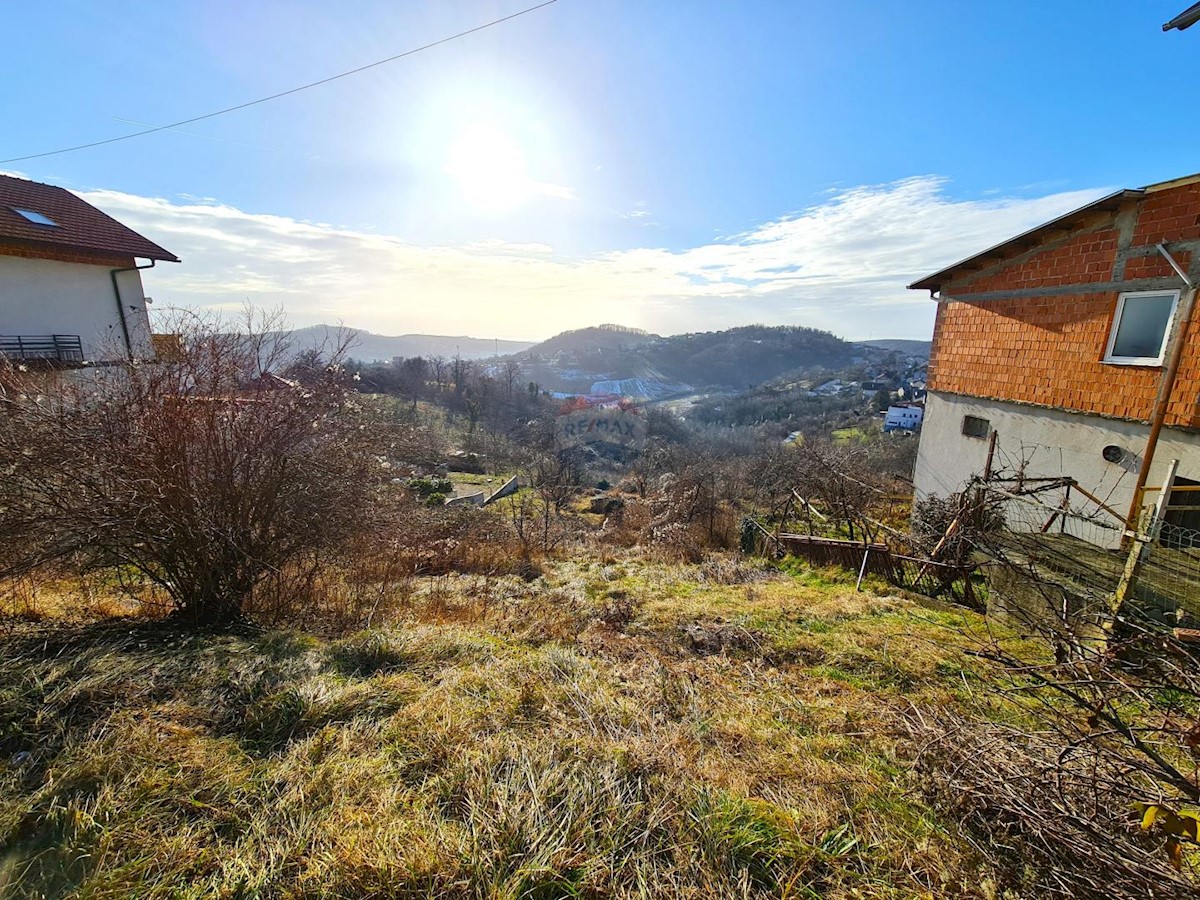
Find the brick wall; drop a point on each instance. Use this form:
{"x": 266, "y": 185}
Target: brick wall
{"x": 1087, "y": 257}
{"x": 63, "y": 254}
{"x": 1048, "y": 349}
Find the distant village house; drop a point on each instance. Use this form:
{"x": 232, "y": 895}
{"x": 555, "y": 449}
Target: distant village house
{"x": 903, "y": 417}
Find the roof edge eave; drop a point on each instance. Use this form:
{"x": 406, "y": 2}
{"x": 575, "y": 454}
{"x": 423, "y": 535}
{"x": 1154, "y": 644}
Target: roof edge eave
{"x": 153, "y": 252}
{"x": 935, "y": 281}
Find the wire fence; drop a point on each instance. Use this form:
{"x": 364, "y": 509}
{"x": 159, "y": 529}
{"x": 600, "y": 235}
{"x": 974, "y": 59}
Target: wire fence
{"x": 1168, "y": 580}
{"x": 1052, "y": 532}
{"x": 1084, "y": 554}
{"x": 899, "y": 562}
{"x": 1056, "y": 512}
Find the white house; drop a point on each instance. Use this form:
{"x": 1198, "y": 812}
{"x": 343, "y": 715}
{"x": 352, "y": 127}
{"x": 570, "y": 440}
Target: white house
{"x": 70, "y": 278}
{"x": 905, "y": 417}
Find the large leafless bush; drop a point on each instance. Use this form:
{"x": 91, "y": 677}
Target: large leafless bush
{"x": 202, "y": 473}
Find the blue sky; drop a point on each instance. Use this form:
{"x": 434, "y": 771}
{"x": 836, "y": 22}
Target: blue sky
{"x": 675, "y": 166}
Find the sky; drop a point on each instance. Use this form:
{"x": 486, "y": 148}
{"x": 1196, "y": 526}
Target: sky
{"x": 669, "y": 165}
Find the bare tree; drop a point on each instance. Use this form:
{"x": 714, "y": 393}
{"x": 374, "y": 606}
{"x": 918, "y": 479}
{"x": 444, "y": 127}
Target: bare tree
{"x": 512, "y": 374}
{"x": 413, "y": 373}
{"x": 438, "y": 366}
{"x": 554, "y": 472}
{"x": 460, "y": 374}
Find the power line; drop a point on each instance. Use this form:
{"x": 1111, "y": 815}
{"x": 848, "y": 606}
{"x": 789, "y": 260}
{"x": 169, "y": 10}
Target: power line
{"x": 295, "y": 90}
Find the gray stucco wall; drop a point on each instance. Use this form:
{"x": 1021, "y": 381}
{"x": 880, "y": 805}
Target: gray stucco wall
{"x": 1046, "y": 443}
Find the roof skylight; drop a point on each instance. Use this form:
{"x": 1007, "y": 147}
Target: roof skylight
{"x": 35, "y": 217}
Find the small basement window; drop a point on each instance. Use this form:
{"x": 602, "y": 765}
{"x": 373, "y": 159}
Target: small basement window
{"x": 1140, "y": 328}
{"x": 975, "y": 427}
{"x": 35, "y": 217}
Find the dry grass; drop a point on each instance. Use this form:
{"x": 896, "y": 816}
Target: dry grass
{"x": 614, "y": 729}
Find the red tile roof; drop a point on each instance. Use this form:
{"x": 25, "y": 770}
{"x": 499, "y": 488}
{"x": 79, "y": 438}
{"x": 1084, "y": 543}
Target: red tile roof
{"x": 79, "y": 225}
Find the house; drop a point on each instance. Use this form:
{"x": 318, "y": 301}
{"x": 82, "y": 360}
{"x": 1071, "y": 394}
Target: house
{"x": 903, "y": 417}
{"x": 1060, "y": 343}
{"x": 70, "y": 282}
{"x": 831, "y": 388}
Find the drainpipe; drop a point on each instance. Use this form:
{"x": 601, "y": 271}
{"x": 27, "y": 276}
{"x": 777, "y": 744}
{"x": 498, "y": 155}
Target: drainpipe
{"x": 1165, "y": 386}
{"x": 113, "y": 273}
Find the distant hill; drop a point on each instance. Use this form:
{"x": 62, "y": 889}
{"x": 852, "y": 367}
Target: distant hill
{"x": 910, "y": 348}
{"x": 589, "y": 340}
{"x": 368, "y": 346}
{"x": 735, "y": 358}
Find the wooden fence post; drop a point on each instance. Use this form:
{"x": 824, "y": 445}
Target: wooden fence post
{"x": 1140, "y": 549}
{"x": 862, "y": 570}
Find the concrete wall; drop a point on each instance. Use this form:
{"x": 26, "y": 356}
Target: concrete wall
{"x": 43, "y": 296}
{"x": 1050, "y": 443}
{"x": 475, "y": 499}
{"x": 509, "y": 487}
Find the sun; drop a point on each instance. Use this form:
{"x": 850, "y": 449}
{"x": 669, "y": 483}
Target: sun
{"x": 489, "y": 166}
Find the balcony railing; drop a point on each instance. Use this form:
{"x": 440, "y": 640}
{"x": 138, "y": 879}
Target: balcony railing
{"x": 65, "y": 348}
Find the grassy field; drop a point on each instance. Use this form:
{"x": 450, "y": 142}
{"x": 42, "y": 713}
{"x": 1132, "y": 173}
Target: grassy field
{"x": 616, "y": 729}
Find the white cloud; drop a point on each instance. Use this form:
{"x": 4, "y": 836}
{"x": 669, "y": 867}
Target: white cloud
{"x": 550, "y": 189}
{"x": 841, "y": 264}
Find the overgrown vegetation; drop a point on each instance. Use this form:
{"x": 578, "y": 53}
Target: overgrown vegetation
{"x": 615, "y": 728}
{"x": 203, "y": 477}
{"x": 247, "y": 650}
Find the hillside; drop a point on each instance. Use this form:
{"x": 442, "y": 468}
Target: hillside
{"x": 612, "y": 338}
{"x": 911, "y": 348}
{"x": 745, "y": 356}
{"x": 369, "y": 346}
{"x": 736, "y": 358}
{"x": 618, "y": 729}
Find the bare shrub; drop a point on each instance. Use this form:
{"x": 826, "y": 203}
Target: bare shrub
{"x": 1060, "y": 816}
{"x": 465, "y": 540}
{"x": 957, "y": 525}
{"x": 204, "y": 475}
{"x": 847, "y": 490}
{"x": 366, "y": 581}
{"x": 618, "y": 610}
{"x": 676, "y": 542}
{"x": 627, "y": 528}
{"x": 19, "y": 601}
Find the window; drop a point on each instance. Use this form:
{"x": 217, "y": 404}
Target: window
{"x": 975, "y": 427}
{"x": 35, "y": 217}
{"x": 1140, "y": 328}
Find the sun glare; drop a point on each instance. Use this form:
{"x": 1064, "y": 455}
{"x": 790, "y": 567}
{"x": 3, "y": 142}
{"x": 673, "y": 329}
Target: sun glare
{"x": 489, "y": 166}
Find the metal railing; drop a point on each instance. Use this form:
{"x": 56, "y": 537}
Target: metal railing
{"x": 66, "y": 348}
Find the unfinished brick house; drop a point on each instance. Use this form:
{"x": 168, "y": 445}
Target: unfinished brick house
{"x": 70, "y": 283}
{"x": 1061, "y": 342}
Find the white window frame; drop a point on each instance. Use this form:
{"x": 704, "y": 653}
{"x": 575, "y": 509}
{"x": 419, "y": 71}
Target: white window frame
{"x": 1116, "y": 322}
